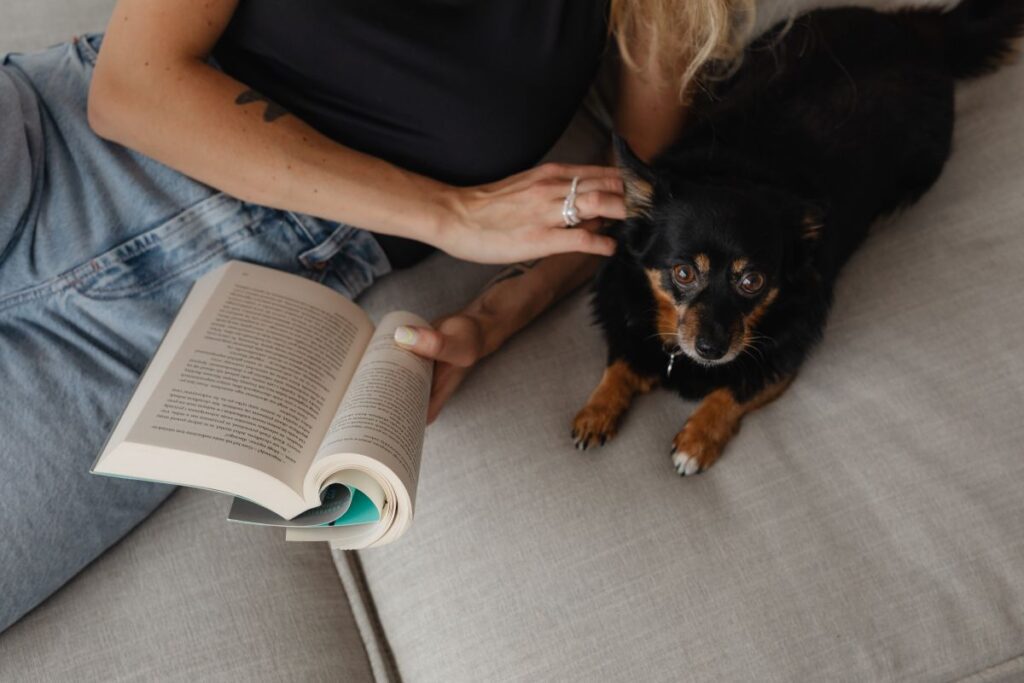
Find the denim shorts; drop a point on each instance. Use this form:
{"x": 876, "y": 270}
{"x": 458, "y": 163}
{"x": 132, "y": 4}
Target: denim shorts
{"x": 98, "y": 247}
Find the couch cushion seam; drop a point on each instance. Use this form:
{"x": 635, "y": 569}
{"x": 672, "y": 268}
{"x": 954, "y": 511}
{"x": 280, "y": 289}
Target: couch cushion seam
{"x": 369, "y": 608}
{"x": 351, "y": 608}
{"x": 1017, "y": 661}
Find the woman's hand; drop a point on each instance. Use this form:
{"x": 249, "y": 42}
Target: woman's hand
{"x": 517, "y": 295}
{"x": 455, "y": 345}
{"x": 520, "y": 218}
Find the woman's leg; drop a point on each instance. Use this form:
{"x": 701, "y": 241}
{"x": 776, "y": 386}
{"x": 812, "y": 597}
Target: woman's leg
{"x": 98, "y": 247}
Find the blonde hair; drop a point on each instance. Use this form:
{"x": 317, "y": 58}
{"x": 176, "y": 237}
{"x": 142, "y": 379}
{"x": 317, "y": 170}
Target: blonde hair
{"x": 688, "y": 40}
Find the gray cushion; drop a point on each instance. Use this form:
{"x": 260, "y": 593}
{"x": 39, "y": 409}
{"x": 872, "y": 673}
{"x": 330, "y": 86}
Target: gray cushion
{"x": 189, "y": 597}
{"x": 867, "y": 526}
{"x": 32, "y": 24}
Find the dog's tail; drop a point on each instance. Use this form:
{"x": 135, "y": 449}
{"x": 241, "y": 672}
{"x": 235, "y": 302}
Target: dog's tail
{"x": 979, "y": 36}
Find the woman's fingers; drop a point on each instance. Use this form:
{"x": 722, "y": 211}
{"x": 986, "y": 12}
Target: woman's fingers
{"x": 555, "y": 170}
{"x": 447, "y": 379}
{"x": 600, "y": 205}
{"x": 456, "y": 341}
{"x": 589, "y": 205}
{"x": 455, "y": 345}
{"x": 612, "y": 184}
{"x": 557, "y": 178}
{"x": 558, "y": 188}
{"x": 559, "y": 240}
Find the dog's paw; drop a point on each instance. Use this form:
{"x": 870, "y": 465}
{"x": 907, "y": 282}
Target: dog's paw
{"x": 693, "y": 452}
{"x": 595, "y": 425}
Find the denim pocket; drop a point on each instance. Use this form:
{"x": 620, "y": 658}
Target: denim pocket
{"x": 348, "y": 259}
{"x": 211, "y": 232}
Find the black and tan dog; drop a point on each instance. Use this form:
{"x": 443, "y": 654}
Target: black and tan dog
{"x": 724, "y": 273}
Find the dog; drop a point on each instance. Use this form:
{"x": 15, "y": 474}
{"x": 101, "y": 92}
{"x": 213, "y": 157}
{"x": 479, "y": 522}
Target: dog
{"x": 735, "y": 234}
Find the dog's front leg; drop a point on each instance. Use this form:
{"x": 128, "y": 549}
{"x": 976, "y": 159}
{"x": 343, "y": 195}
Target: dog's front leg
{"x": 599, "y": 419}
{"x": 713, "y": 423}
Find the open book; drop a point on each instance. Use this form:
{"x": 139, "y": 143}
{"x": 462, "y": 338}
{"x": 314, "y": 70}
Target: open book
{"x": 279, "y": 391}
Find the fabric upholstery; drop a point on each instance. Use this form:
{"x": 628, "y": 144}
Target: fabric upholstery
{"x": 190, "y": 597}
{"x": 33, "y": 24}
{"x": 867, "y": 526}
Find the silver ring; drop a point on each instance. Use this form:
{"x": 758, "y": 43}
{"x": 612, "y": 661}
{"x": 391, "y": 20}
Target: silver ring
{"x": 570, "y": 214}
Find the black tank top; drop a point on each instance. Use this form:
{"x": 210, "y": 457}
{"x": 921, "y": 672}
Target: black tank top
{"x": 464, "y": 91}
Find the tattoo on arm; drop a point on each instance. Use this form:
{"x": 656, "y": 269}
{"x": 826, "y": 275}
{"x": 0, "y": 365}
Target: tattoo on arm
{"x": 514, "y": 270}
{"x": 272, "y": 113}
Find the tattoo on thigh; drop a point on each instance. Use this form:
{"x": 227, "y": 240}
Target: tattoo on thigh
{"x": 272, "y": 113}
{"x": 514, "y": 270}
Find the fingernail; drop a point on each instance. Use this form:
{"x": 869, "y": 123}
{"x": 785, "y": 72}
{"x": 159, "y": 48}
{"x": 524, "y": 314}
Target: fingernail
{"x": 406, "y": 336}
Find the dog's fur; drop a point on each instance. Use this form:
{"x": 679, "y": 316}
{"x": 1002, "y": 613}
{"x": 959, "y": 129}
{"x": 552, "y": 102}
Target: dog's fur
{"x": 844, "y": 117}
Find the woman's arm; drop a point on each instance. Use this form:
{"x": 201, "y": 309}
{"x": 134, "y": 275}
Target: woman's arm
{"x": 648, "y": 111}
{"x": 154, "y": 92}
{"x": 649, "y": 116}
{"x": 510, "y": 301}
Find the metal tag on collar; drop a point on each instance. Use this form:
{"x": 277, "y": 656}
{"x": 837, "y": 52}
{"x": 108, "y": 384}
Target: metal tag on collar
{"x": 671, "y": 361}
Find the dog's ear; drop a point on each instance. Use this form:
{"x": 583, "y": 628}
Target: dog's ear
{"x": 812, "y": 224}
{"x": 810, "y": 221}
{"x": 637, "y": 178}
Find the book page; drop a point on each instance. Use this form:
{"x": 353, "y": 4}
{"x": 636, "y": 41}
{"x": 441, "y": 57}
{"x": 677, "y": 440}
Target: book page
{"x": 260, "y": 374}
{"x": 384, "y": 412}
{"x": 172, "y": 341}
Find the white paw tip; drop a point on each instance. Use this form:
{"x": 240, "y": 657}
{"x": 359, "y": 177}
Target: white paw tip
{"x": 685, "y": 464}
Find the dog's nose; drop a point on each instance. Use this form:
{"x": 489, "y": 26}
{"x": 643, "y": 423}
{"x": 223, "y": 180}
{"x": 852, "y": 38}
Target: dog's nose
{"x": 708, "y": 348}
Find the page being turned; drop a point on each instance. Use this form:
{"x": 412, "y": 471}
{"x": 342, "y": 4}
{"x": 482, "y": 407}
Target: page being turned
{"x": 384, "y": 412}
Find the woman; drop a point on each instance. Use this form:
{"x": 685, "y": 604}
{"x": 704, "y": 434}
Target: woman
{"x": 200, "y": 131}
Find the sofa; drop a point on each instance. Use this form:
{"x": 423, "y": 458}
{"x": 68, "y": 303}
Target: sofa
{"x": 868, "y": 526}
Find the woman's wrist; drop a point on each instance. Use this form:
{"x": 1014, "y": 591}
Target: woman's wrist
{"x": 494, "y": 330}
{"x": 516, "y": 296}
{"x": 383, "y": 198}
{"x": 446, "y": 215}
{"x": 523, "y": 291}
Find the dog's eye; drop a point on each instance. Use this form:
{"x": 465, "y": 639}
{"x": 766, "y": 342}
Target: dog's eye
{"x": 751, "y": 283}
{"x": 684, "y": 274}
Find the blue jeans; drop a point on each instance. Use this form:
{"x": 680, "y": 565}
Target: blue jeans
{"x": 98, "y": 247}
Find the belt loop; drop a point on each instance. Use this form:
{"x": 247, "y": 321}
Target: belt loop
{"x": 317, "y": 257}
